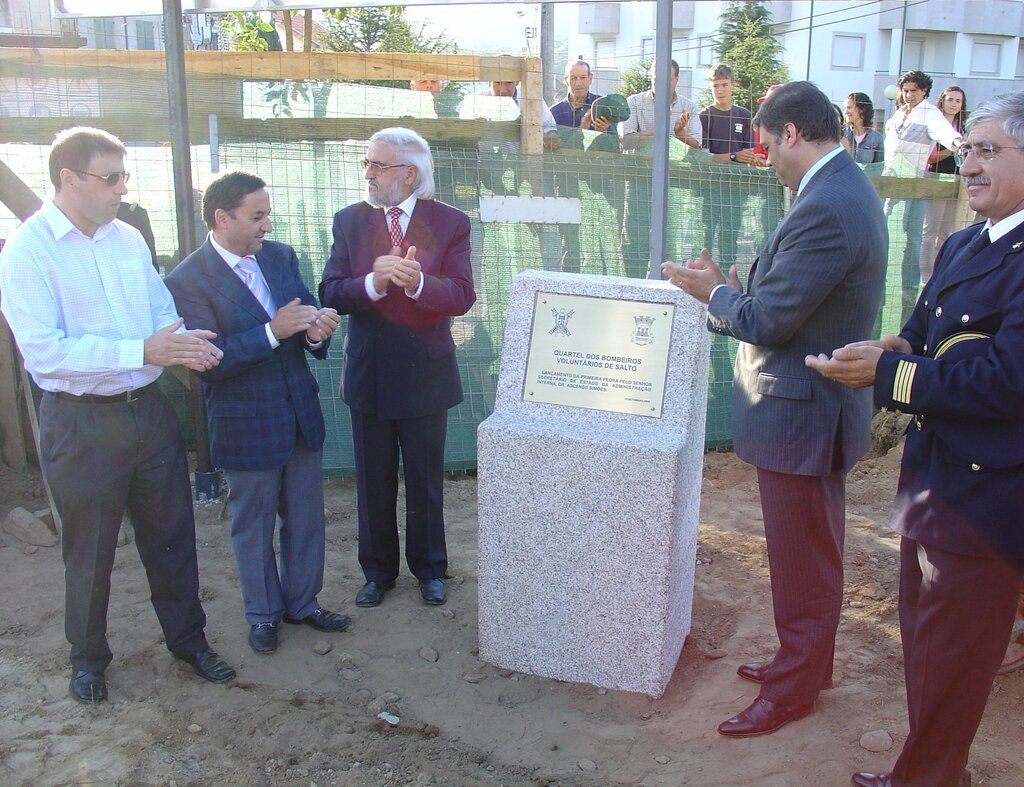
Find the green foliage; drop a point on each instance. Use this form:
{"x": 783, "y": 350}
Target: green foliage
{"x": 635, "y": 79}
{"x": 248, "y": 32}
{"x": 379, "y": 30}
{"x": 746, "y": 43}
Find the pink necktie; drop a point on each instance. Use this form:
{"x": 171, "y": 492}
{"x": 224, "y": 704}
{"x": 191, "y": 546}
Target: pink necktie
{"x": 396, "y": 229}
{"x": 249, "y": 268}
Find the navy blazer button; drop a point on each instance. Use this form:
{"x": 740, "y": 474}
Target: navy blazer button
{"x": 975, "y": 467}
{"x": 938, "y": 311}
{"x": 919, "y": 427}
{"x": 965, "y": 318}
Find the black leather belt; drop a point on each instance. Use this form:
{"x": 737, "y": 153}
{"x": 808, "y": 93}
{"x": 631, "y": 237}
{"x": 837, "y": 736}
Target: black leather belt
{"x": 125, "y": 397}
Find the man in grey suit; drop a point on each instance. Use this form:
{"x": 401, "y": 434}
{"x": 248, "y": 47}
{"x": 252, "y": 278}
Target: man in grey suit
{"x": 816, "y": 284}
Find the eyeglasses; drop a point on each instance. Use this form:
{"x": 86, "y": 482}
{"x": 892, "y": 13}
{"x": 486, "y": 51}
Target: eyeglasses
{"x": 376, "y": 167}
{"x": 983, "y": 150}
{"x": 111, "y": 180}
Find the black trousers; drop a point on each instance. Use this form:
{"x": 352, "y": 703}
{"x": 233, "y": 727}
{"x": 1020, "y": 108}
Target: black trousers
{"x": 101, "y": 459}
{"x": 956, "y": 613}
{"x": 377, "y": 446}
{"x": 804, "y": 527}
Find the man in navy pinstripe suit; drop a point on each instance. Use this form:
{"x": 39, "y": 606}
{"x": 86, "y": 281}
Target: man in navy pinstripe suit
{"x": 817, "y": 283}
{"x": 400, "y": 268}
{"x": 266, "y": 427}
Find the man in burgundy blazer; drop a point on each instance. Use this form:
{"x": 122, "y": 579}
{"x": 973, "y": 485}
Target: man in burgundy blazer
{"x": 400, "y": 269}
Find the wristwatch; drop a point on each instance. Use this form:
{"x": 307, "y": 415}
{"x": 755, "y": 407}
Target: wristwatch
{"x": 732, "y": 157}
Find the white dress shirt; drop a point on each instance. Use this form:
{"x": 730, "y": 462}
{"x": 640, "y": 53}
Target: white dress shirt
{"x": 407, "y": 205}
{"x": 232, "y": 261}
{"x": 909, "y": 139}
{"x": 641, "y": 115}
{"x": 80, "y": 307}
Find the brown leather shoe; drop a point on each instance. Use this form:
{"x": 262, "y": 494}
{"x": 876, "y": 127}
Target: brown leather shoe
{"x": 755, "y": 671}
{"x": 762, "y": 717}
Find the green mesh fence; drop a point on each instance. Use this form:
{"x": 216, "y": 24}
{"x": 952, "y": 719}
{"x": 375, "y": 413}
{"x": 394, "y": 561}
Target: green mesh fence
{"x": 728, "y": 208}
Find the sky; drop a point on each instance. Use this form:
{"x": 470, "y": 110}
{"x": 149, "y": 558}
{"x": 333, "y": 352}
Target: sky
{"x": 497, "y": 27}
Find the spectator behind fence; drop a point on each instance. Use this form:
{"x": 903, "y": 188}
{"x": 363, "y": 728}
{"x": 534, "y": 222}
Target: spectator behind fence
{"x": 636, "y": 133}
{"x": 137, "y": 216}
{"x": 727, "y": 133}
{"x": 574, "y": 112}
{"x": 266, "y": 427}
{"x": 940, "y": 215}
{"x": 803, "y": 434}
{"x": 498, "y": 157}
{"x": 96, "y": 326}
{"x": 867, "y": 145}
{"x": 910, "y": 134}
{"x": 957, "y": 368}
{"x": 400, "y": 268}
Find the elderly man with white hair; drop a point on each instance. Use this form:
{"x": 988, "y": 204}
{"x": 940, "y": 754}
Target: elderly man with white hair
{"x": 400, "y": 268}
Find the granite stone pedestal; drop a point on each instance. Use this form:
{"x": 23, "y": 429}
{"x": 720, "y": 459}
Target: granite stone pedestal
{"x": 588, "y": 518}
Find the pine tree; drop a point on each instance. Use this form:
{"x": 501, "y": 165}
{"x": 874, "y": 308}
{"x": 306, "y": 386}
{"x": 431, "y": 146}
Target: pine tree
{"x": 746, "y": 43}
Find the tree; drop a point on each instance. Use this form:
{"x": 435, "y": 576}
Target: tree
{"x": 745, "y": 42}
{"x": 635, "y": 79}
{"x": 249, "y": 32}
{"x": 382, "y": 29}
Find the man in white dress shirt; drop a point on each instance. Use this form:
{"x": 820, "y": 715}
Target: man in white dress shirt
{"x": 96, "y": 326}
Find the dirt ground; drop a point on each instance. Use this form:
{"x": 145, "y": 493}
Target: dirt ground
{"x": 307, "y": 715}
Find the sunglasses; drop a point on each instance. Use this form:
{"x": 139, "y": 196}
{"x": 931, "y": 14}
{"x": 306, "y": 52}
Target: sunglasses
{"x": 111, "y": 180}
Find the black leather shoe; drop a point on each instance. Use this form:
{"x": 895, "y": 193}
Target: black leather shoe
{"x": 263, "y": 637}
{"x": 322, "y": 620}
{"x": 755, "y": 671}
{"x": 88, "y": 687}
{"x": 372, "y": 593}
{"x": 762, "y": 717}
{"x": 433, "y": 591}
{"x": 207, "y": 664}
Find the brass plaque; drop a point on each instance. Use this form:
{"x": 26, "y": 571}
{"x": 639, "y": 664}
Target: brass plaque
{"x": 599, "y": 353}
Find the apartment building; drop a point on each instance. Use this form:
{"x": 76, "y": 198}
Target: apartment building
{"x": 841, "y": 46}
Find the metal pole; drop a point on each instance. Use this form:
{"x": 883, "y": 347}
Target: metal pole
{"x": 810, "y": 36}
{"x": 662, "y": 128}
{"x": 547, "y": 50}
{"x": 903, "y": 40}
{"x": 207, "y": 479}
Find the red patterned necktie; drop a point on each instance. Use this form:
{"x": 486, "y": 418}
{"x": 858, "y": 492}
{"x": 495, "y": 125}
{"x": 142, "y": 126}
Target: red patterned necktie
{"x": 396, "y": 229}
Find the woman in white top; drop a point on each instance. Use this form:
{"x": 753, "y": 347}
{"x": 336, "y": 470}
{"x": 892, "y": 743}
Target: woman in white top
{"x": 940, "y": 217}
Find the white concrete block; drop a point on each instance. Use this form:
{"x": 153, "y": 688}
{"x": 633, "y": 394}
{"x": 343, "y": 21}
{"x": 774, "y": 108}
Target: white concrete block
{"x": 588, "y": 518}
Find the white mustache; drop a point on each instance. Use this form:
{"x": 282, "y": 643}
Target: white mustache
{"x": 977, "y": 180}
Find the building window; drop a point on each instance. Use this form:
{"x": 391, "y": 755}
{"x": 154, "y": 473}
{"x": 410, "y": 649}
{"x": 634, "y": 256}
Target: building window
{"x": 646, "y": 49}
{"x": 145, "y": 34}
{"x": 706, "y": 51}
{"x": 884, "y": 51}
{"x": 913, "y": 54}
{"x": 1020, "y": 59}
{"x": 847, "y": 51}
{"x": 604, "y": 54}
{"x": 103, "y": 30}
{"x": 6, "y": 16}
{"x": 985, "y": 57}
